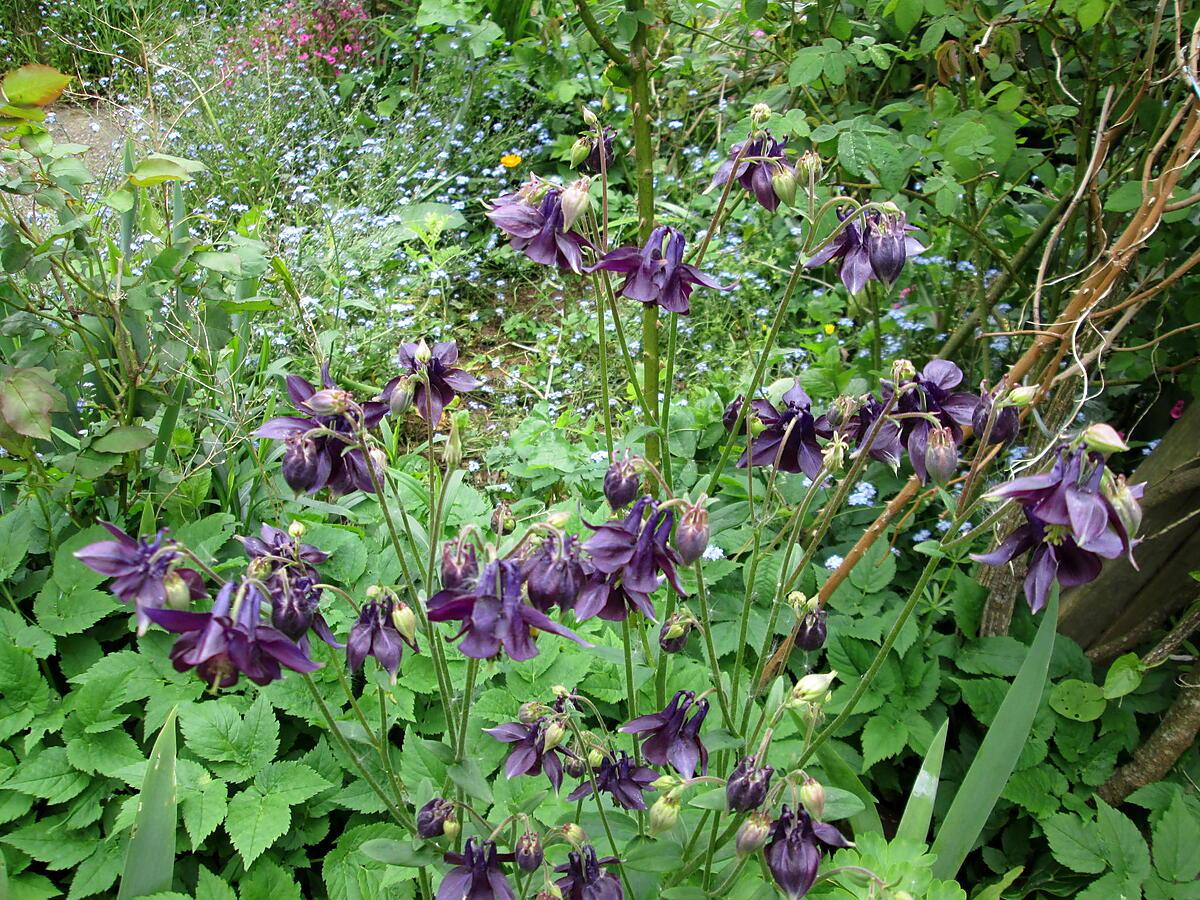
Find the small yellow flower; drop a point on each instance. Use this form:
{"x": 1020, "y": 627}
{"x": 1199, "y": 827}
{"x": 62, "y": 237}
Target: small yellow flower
{"x": 829, "y": 329}
{"x": 510, "y": 160}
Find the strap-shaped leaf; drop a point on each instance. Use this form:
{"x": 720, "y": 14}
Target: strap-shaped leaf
{"x": 150, "y": 858}
{"x": 918, "y": 812}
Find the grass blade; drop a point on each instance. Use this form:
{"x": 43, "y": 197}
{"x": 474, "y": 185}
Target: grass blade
{"x": 150, "y": 858}
{"x": 998, "y": 753}
{"x": 918, "y": 812}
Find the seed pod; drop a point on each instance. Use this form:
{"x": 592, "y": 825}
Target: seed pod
{"x": 452, "y": 453}
{"x": 405, "y": 622}
{"x": 664, "y": 814}
{"x": 903, "y": 371}
{"x": 691, "y": 537}
{"x": 783, "y": 182}
{"x": 941, "y": 455}
{"x": 503, "y": 521}
{"x": 296, "y": 530}
{"x": 179, "y": 594}
{"x": 760, "y": 113}
{"x": 673, "y": 635}
{"x": 573, "y": 834}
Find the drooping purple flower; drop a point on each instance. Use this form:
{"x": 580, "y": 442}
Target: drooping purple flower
{"x": 529, "y": 853}
{"x": 494, "y": 616}
{"x": 933, "y": 395}
{"x": 144, "y": 572}
{"x": 554, "y": 574}
{"x": 1005, "y": 424}
{"x": 591, "y": 162}
{"x": 655, "y": 275}
{"x": 533, "y": 220}
{"x": 889, "y": 244}
{"x": 226, "y": 642}
{"x": 459, "y": 565}
{"x": 794, "y": 851}
{"x": 476, "y": 874}
{"x": 789, "y": 440}
{"x": 287, "y": 569}
{"x": 674, "y": 739}
{"x": 585, "y": 877}
{"x": 886, "y": 445}
{"x": 855, "y": 270}
{"x": 375, "y": 634}
{"x": 734, "y": 409}
{"x": 634, "y": 550}
{"x": 748, "y": 784}
{"x": 621, "y": 482}
{"x": 535, "y": 748}
{"x": 433, "y": 816}
{"x": 320, "y": 447}
{"x": 1071, "y": 525}
{"x": 607, "y": 597}
{"x": 763, "y": 160}
{"x": 623, "y": 779}
{"x": 812, "y": 630}
{"x": 432, "y": 376}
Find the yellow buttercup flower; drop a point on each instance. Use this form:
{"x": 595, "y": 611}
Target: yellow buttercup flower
{"x": 509, "y": 160}
{"x": 829, "y": 329}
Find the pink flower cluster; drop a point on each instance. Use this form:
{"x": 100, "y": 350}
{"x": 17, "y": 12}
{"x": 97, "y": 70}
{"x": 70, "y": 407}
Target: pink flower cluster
{"x": 330, "y": 33}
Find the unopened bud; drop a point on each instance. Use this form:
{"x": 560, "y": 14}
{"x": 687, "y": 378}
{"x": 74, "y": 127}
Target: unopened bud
{"x": 812, "y": 795}
{"x": 532, "y": 711}
{"x": 621, "y": 482}
{"x": 422, "y": 354}
{"x": 451, "y": 828}
{"x": 405, "y": 621}
{"x": 573, "y": 834}
{"x": 665, "y": 783}
{"x": 596, "y": 758}
{"x": 401, "y": 397}
{"x": 297, "y": 530}
{"x": 760, "y": 113}
{"x": 1022, "y": 395}
{"x": 812, "y": 630}
{"x": 590, "y": 119}
{"x": 579, "y": 151}
{"x": 575, "y": 200}
{"x": 1103, "y": 438}
{"x": 673, "y": 635}
{"x": 178, "y": 594}
{"x": 374, "y": 592}
{"x": 664, "y": 814}
{"x": 554, "y": 735}
{"x": 941, "y": 455}
{"x": 1125, "y": 500}
{"x": 903, "y": 371}
{"x": 783, "y": 182}
{"x": 808, "y": 166}
{"x": 329, "y": 402}
{"x": 691, "y": 537}
{"x": 558, "y": 519}
{"x": 559, "y": 691}
{"x": 812, "y": 688}
{"x": 753, "y": 833}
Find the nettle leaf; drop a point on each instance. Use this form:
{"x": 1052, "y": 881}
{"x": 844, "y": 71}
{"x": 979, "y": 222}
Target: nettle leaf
{"x": 207, "y": 536}
{"x": 204, "y": 807}
{"x": 238, "y": 747}
{"x": 999, "y": 655}
{"x": 882, "y": 738}
{"x": 1175, "y": 839}
{"x": 875, "y": 570}
{"x": 293, "y": 781}
{"x": 48, "y": 775}
{"x": 267, "y": 878}
{"x": 212, "y": 887}
{"x": 1124, "y": 847}
{"x": 97, "y": 873}
{"x": 65, "y": 612}
{"x": 47, "y": 841}
{"x": 105, "y": 753}
{"x": 255, "y": 821}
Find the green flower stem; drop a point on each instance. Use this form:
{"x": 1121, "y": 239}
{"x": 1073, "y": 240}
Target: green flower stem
{"x": 660, "y": 673}
{"x": 664, "y": 419}
{"x": 713, "y": 662}
{"x": 631, "y": 704}
{"x": 398, "y": 814}
{"x": 626, "y": 356}
{"x": 612, "y": 843}
{"x": 712, "y": 848}
{"x": 602, "y": 339}
{"x": 385, "y": 749}
{"x": 472, "y": 672}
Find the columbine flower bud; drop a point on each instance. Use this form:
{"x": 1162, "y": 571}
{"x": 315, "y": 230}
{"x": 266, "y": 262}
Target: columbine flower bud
{"x": 402, "y": 397}
{"x": 532, "y": 711}
{"x": 752, "y": 834}
{"x": 664, "y": 814}
{"x": 574, "y": 766}
{"x": 405, "y": 621}
{"x": 575, "y": 201}
{"x": 302, "y": 463}
{"x": 297, "y": 530}
{"x": 760, "y": 113}
{"x": 812, "y": 630}
{"x": 903, "y": 371}
{"x": 422, "y": 354}
{"x": 554, "y": 735}
{"x": 452, "y": 453}
{"x": 941, "y": 455}
{"x": 665, "y": 783}
{"x": 558, "y": 519}
{"x": 747, "y": 786}
{"x": 502, "y": 519}
{"x": 1124, "y": 499}
{"x": 329, "y": 402}
{"x": 573, "y": 834}
{"x": 812, "y": 795}
{"x": 783, "y": 182}
{"x": 1103, "y": 438}
{"x": 179, "y": 595}
{"x": 1020, "y": 396}
{"x": 621, "y": 482}
{"x": 579, "y": 151}
{"x": 673, "y": 635}
{"x": 590, "y": 119}
{"x": 451, "y": 828}
{"x": 596, "y": 758}
{"x": 529, "y": 854}
{"x": 691, "y": 537}
{"x": 433, "y": 817}
{"x": 808, "y": 166}
{"x": 812, "y": 688}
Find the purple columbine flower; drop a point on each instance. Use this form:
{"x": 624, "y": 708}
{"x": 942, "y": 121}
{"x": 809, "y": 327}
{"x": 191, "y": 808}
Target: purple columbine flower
{"x": 638, "y": 552}
{"x": 794, "y": 429}
{"x": 224, "y": 643}
{"x": 459, "y": 564}
{"x": 655, "y": 275}
{"x": 494, "y": 616}
{"x": 794, "y": 851}
{"x": 143, "y": 572}
{"x": 812, "y": 630}
{"x": 674, "y": 739}
{"x": 321, "y": 446}
{"x": 375, "y": 634}
{"x": 1005, "y": 425}
{"x": 585, "y": 877}
{"x": 476, "y": 874}
{"x": 889, "y": 244}
{"x": 435, "y": 380}
{"x": 291, "y": 580}
{"x": 1071, "y": 525}
{"x": 605, "y": 596}
{"x": 747, "y": 786}
{"x": 621, "y": 482}
{"x": 764, "y": 158}
{"x": 623, "y": 779}
{"x": 533, "y": 220}
{"x": 848, "y": 246}
{"x": 535, "y": 748}
{"x": 886, "y": 445}
{"x": 433, "y": 816}
{"x": 554, "y": 574}
{"x": 934, "y": 394}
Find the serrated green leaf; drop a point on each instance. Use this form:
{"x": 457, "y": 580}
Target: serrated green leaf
{"x": 204, "y": 807}
{"x": 255, "y": 821}
{"x": 1176, "y": 840}
{"x": 48, "y": 775}
{"x": 1125, "y": 849}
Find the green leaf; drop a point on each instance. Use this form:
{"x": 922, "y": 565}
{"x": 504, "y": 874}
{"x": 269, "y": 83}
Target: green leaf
{"x": 918, "y": 811}
{"x": 158, "y": 168}
{"x": 238, "y": 748}
{"x": 1125, "y": 849}
{"x": 998, "y": 753}
{"x": 204, "y": 807}
{"x": 150, "y": 857}
{"x": 1000, "y": 655}
{"x": 1176, "y": 838}
{"x": 399, "y": 853}
{"x": 212, "y": 887}
{"x": 839, "y": 774}
{"x": 16, "y": 531}
{"x": 255, "y": 821}
{"x": 218, "y": 261}
{"x": 806, "y": 66}
{"x": 1124, "y": 676}
{"x": 28, "y": 397}
{"x": 347, "y": 552}
{"x": 63, "y": 612}
{"x": 468, "y": 777}
{"x": 124, "y": 439}
{"x": 907, "y": 13}
{"x": 48, "y": 775}
{"x": 854, "y": 155}
{"x": 840, "y": 804}
{"x": 714, "y": 799}
{"x": 876, "y": 569}
{"x": 34, "y": 85}
{"x": 882, "y": 738}
{"x": 293, "y": 782}
{"x": 1078, "y": 700}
